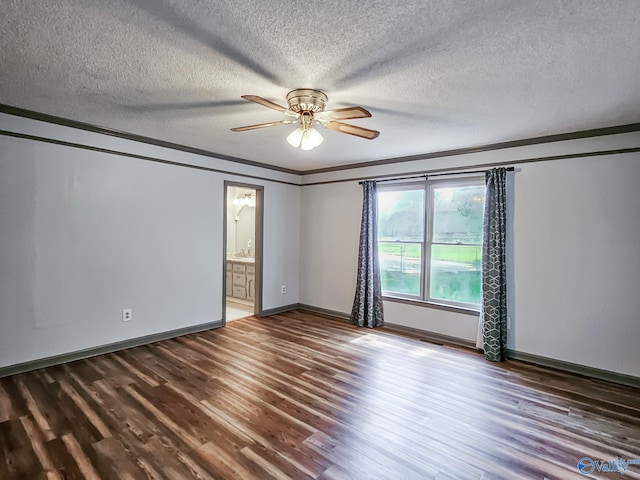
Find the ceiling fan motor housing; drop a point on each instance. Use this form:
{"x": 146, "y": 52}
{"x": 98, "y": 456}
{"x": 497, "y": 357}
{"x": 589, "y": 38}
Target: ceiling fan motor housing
{"x": 306, "y": 100}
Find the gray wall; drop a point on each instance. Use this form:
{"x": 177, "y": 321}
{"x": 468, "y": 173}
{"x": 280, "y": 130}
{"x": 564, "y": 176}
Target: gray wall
{"x": 577, "y": 262}
{"x": 574, "y": 264}
{"x": 84, "y": 235}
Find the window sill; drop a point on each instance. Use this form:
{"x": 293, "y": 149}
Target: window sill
{"x": 438, "y": 306}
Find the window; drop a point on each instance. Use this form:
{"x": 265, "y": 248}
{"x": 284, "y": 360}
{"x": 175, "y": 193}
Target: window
{"x": 430, "y": 241}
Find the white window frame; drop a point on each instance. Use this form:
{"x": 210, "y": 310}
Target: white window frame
{"x": 429, "y": 187}
{"x": 397, "y": 187}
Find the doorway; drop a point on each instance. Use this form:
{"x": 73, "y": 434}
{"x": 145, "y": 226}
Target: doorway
{"x": 242, "y": 280}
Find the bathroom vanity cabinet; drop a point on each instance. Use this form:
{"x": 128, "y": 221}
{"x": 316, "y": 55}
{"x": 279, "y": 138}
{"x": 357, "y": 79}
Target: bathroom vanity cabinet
{"x": 241, "y": 274}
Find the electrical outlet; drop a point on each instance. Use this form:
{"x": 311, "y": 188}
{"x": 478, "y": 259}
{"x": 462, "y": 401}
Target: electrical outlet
{"x": 283, "y": 289}
{"x": 508, "y": 323}
{"x": 127, "y": 314}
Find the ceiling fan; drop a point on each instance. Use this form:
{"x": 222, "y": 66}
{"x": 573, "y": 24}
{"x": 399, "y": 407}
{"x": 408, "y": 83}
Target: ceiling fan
{"x": 306, "y": 107}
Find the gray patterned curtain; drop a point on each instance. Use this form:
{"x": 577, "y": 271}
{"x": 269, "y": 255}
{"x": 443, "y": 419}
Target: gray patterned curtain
{"x": 367, "y": 305}
{"x": 494, "y": 269}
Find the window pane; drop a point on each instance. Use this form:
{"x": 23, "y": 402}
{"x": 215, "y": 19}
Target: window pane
{"x": 401, "y": 215}
{"x": 455, "y": 273}
{"x": 400, "y": 266}
{"x": 457, "y": 214}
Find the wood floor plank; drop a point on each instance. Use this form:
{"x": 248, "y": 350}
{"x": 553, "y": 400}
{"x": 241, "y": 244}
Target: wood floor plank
{"x": 19, "y": 458}
{"x": 6, "y": 408}
{"x": 86, "y": 409}
{"x": 47, "y": 399}
{"x": 181, "y": 431}
{"x": 38, "y": 447}
{"x": 122, "y": 412}
{"x": 62, "y": 460}
{"x": 156, "y": 457}
{"x": 85, "y": 465}
{"x": 303, "y": 396}
{"x": 114, "y": 462}
{"x": 35, "y": 410}
{"x": 225, "y": 465}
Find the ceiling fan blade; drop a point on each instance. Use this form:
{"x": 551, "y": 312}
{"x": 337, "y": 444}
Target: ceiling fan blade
{"x": 266, "y": 103}
{"x": 352, "y": 130}
{"x": 347, "y": 113}
{"x": 262, "y": 125}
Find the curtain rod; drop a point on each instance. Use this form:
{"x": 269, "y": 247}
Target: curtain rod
{"x": 509, "y": 169}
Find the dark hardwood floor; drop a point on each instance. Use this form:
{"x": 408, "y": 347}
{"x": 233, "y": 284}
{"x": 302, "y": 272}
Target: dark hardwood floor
{"x": 299, "y": 395}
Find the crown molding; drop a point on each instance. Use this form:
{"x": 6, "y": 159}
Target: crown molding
{"x": 561, "y": 137}
{"x": 147, "y": 158}
{"x": 44, "y": 117}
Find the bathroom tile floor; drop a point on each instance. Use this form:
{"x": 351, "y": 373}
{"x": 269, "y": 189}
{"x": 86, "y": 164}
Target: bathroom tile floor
{"x": 236, "y": 311}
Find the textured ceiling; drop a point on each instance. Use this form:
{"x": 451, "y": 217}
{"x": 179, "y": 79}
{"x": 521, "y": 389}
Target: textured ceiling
{"x": 436, "y": 75}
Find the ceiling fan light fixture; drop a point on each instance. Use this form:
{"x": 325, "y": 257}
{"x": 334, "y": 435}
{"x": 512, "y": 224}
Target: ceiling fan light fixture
{"x": 305, "y": 138}
{"x": 295, "y": 137}
{"x": 311, "y": 138}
